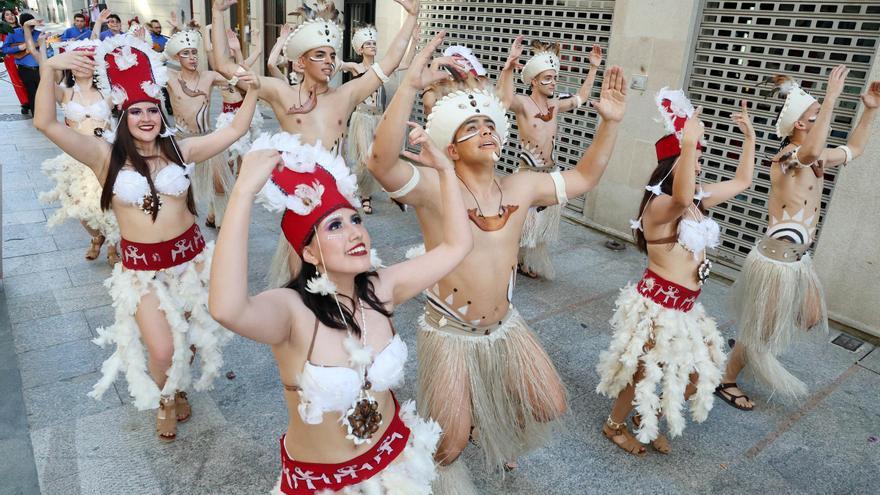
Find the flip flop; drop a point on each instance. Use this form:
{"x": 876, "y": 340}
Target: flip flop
{"x": 728, "y": 397}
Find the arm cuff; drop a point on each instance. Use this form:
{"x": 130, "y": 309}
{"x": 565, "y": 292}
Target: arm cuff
{"x": 849, "y": 153}
{"x": 379, "y": 72}
{"x": 559, "y": 185}
{"x": 409, "y": 186}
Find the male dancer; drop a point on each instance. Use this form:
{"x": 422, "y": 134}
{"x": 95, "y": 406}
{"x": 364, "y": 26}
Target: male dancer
{"x": 778, "y": 292}
{"x": 311, "y": 108}
{"x": 482, "y": 372}
{"x": 537, "y": 118}
{"x": 190, "y": 92}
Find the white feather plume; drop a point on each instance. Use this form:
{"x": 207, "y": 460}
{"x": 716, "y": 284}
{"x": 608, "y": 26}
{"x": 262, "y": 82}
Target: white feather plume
{"x": 321, "y": 285}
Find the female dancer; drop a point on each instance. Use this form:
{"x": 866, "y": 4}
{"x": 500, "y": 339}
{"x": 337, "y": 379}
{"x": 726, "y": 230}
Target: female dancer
{"x": 160, "y": 288}
{"x": 9, "y": 23}
{"x": 87, "y": 111}
{"x": 336, "y": 312}
{"x": 365, "y": 118}
{"x": 662, "y": 336}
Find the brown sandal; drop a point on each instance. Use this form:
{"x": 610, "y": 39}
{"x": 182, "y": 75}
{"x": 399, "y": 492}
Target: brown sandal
{"x": 95, "y": 247}
{"x": 112, "y": 255}
{"x": 614, "y": 430}
{"x": 166, "y": 419}
{"x": 661, "y": 443}
{"x": 184, "y": 410}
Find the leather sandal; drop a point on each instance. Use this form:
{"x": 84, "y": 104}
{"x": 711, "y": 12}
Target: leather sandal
{"x": 112, "y": 255}
{"x": 728, "y": 397}
{"x": 367, "y": 205}
{"x": 166, "y": 419}
{"x": 184, "y": 410}
{"x": 209, "y": 222}
{"x": 525, "y": 272}
{"x": 95, "y": 247}
{"x": 619, "y": 435}
{"x": 661, "y": 443}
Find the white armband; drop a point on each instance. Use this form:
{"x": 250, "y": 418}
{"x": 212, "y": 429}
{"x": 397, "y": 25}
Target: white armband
{"x": 409, "y": 186}
{"x": 559, "y": 185}
{"x": 578, "y": 102}
{"x": 379, "y": 72}
{"x": 849, "y": 153}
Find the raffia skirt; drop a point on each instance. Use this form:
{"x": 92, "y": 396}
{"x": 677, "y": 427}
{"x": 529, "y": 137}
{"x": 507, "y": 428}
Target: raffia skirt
{"x": 361, "y": 132}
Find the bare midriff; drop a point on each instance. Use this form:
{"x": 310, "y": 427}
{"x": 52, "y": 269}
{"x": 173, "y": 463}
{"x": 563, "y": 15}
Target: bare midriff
{"x": 535, "y": 134}
{"x": 173, "y": 219}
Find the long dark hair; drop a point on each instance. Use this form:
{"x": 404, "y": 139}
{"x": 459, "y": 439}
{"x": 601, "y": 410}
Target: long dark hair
{"x": 325, "y": 307}
{"x": 124, "y": 151}
{"x": 3, "y": 20}
{"x": 664, "y": 167}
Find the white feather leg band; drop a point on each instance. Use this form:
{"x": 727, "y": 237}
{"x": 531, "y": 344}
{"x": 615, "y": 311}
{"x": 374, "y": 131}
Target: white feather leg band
{"x": 78, "y": 192}
{"x": 180, "y": 290}
{"x": 684, "y": 343}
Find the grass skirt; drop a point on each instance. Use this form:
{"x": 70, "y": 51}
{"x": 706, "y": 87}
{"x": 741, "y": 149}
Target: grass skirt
{"x": 78, "y": 192}
{"x": 683, "y": 343}
{"x": 508, "y": 372}
{"x": 180, "y": 289}
{"x": 279, "y": 267}
{"x": 361, "y": 131}
{"x": 773, "y": 300}
{"x": 411, "y": 472}
{"x": 539, "y": 231}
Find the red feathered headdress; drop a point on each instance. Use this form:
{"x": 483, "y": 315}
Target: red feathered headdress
{"x": 675, "y": 108}
{"x": 130, "y": 71}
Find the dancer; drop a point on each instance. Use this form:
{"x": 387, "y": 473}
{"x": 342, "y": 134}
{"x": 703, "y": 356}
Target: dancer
{"x": 160, "y": 289}
{"x": 662, "y": 335}
{"x": 537, "y": 119}
{"x": 190, "y": 92}
{"x": 480, "y": 367}
{"x": 337, "y": 312}
{"x": 311, "y": 108}
{"x": 87, "y": 111}
{"x": 465, "y": 69}
{"x": 778, "y": 294}
{"x": 365, "y": 118}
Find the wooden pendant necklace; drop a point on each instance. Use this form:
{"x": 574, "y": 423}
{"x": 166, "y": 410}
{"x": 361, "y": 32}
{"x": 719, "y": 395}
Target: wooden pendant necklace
{"x": 494, "y": 222}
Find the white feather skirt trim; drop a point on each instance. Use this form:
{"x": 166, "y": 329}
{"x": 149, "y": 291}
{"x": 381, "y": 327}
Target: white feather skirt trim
{"x": 361, "y": 131}
{"x": 773, "y": 301}
{"x": 78, "y": 192}
{"x": 683, "y": 343}
{"x": 181, "y": 290}
{"x": 243, "y": 144}
{"x": 414, "y": 469}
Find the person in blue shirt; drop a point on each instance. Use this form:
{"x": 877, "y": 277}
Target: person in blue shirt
{"x": 28, "y": 68}
{"x": 114, "y": 25}
{"x": 158, "y": 38}
{"x": 78, "y": 31}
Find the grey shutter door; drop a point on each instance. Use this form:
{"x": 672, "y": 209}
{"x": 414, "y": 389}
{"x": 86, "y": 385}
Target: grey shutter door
{"x": 488, "y": 28}
{"x": 738, "y": 43}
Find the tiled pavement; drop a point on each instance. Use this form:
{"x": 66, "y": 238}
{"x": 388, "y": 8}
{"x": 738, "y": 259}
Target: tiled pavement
{"x": 53, "y": 435}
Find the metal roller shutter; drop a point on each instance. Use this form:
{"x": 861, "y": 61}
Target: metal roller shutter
{"x": 489, "y": 27}
{"x": 737, "y": 45}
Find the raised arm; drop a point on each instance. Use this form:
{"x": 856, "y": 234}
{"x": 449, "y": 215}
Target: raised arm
{"x": 30, "y": 47}
{"x": 814, "y": 144}
{"x": 583, "y": 94}
{"x": 725, "y": 190}
{"x": 413, "y": 48}
{"x": 272, "y": 60}
{"x": 225, "y": 64}
{"x": 362, "y": 87}
{"x": 411, "y": 277}
{"x": 665, "y": 209}
{"x": 506, "y": 91}
{"x": 90, "y": 150}
{"x": 832, "y": 157}
{"x": 43, "y": 58}
{"x": 102, "y": 18}
{"x": 383, "y": 163}
{"x": 201, "y": 148}
{"x": 265, "y": 317}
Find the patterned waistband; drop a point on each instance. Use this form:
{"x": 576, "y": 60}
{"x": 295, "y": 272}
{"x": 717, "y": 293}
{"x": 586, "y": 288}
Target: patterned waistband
{"x": 665, "y": 293}
{"x": 306, "y": 478}
{"x": 444, "y": 320}
{"x": 780, "y": 250}
{"x": 231, "y": 107}
{"x": 369, "y": 109}
{"x": 162, "y": 255}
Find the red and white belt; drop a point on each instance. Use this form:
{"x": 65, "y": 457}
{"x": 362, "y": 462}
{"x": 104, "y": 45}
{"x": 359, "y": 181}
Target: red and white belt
{"x": 162, "y": 255}
{"x": 665, "y": 293}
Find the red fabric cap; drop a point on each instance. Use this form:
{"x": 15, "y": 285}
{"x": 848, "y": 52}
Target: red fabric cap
{"x": 132, "y": 79}
{"x": 669, "y": 146}
{"x": 297, "y": 228}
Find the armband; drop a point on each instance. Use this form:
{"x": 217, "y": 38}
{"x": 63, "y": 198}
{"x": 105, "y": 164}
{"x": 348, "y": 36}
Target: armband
{"x": 379, "y": 72}
{"x": 849, "y": 153}
{"x": 559, "y": 185}
{"x": 578, "y": 102}
{"x": 409, "y": 186}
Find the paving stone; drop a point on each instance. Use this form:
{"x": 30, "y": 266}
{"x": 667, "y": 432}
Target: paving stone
{"x": 25, "y": 285}
{"x": 100, "y": 316}
{"x": 82, "y": 297}
{"x": 46, "y": 332}
{"x": 19, "y": 217}
{"x": 33, "y": 306}
{"x": 60, "y": 362}
{"x": 13, "y": 247}
{"x": 60, "y": 402}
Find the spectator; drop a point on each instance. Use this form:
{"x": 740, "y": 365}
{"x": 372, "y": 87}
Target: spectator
{"x": 78, "y": 31}
{"x": 28, "y": 68}
{"x": 8, "y": 23}
{"x": 159, "y": 39}
{"x": 114, "y": 25}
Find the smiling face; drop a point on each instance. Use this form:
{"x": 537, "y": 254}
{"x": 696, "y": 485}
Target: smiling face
{"x": 188, "y": 58}
{"x": 144, "y": 121}
{"x": 342, "y": 241}
{"x": 476, "y": 141}
{"x": 545, "y": 83}
{"x": 319, "y": 64}
{"x": 9, "y": 17}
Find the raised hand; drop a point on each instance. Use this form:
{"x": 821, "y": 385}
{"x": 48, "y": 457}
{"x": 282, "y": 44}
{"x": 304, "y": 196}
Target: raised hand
{"x": 410, "y": 6}
{"x": 871, "y": 98}
{"x": 744, "y": 121}
{"x": 233, "y": 41}
{"x": 612, "y": 100}
{"x": 34, "y": 22}
{"x": 596, "y": 55}
{"x": 513, "y": 56}
{"x": 222, "y": 5}
{"x": 285, "y": 31}
{"x": 693, "y": 129}
{"x": 102, "y": 18}
{"x": 172, "y": 20}
{"x": 421, "y": 75}
{"x": 251, "y": 80}
{"x": 428, "y": 155}
{"x": 79, "y": 60}
{"x": 836, "y": 80}
{"x": 256, "y": 167}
